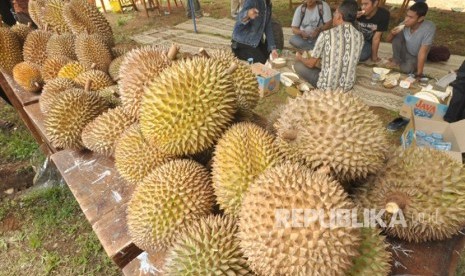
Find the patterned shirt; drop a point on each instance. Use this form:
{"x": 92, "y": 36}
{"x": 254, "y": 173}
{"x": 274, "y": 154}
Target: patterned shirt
{"x": 339, "y": 49}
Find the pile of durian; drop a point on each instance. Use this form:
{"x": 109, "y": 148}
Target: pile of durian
{"x": 209, "y": 174}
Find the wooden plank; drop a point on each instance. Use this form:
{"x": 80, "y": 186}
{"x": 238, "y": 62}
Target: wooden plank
{"x": 37, "y": 118}
{"x": 94, "y": 182}
{"x": 25, "y": 98}
{"x": 145, "y": 264}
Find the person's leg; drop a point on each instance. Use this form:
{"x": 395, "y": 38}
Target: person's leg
{"x": 5, "y": 12}
{"x": 366, "y": 51}
{"x": 409, "y": 64}
{"x": 398, "y": 48}
{"x": 234, "y": 8}
{"x": 244, "y": 52}
{"x": 310, "y": 75}
{"x": 298, "y": 42}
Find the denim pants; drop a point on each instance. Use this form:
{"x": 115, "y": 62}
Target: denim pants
{"x": 311, "y": 75}
{"x": 366, "y": 51}
{"x": 302, "y": 44}
{"x": 407, "y": 62}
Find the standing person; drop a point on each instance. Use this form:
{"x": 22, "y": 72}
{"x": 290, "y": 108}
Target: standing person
{"x": 197, "y": 9}
{"x": 373, "y": 21}
{"x": 411, "y": 44}
{"x": 6, "y": 14}
{"x": 339, "y": 50}
{"x": 254, "y": 21}
{"x": 310, "y": 19}
{"x": 236, "y": 6}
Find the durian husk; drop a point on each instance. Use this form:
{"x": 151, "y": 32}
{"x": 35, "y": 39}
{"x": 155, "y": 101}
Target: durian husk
{"x": 92, "y": 52}
{"x": 245, "y": 81}
{"x": 188, "y": 106}
{"x": 10, "y": 50}
{"x": 170, "y": 198}
{"x": 53, "y": 16}
{"x": 50, "y": 90}
{"x": 244, "y": 152}
{"x": 123, "y": 48}
{"x": 72, "y": 110}
{"x": 61, "y": 45}
{"x": 134, "y": 158}
{"x": 274, "y": 235}
{"x": 52, "y": 66}
{"x": 21, "y": 31}
{"x": 82, "y": 17}
{"x": 424, "y": 188}
{"x": 332, "y": 129}
{"x": 28, "y": 76}
{"x": 137, "y": 68}
{"x": 208, "y": 247}
{"x": 99, "y": 79}
{"x": 35, "y": 47}
{"x": 35, "y": 10}
{"x": 71, "y": 70}
{"x": 110, "y": 94}
{"x": 101, "y": 134}
{"x": 113, "y": 69}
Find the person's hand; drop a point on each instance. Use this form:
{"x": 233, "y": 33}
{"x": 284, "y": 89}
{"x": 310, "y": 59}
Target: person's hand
{"x": 315, "y": 33}
{"x": 252, "y": 13}
{"x": 304, "y": 34}
{"x": 360, "y": 13}
{"x": 274, "y": 54}
{"x": 298, "y": 56}
{"x": 396, "y": 30}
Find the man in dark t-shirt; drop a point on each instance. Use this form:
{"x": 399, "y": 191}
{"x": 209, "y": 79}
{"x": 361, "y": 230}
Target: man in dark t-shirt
{"x": 373, "y": 21}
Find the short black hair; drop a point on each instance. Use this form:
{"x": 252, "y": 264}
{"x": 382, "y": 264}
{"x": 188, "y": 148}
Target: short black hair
{"x": 348, "y": 10}
{"x": 420, "y": 8}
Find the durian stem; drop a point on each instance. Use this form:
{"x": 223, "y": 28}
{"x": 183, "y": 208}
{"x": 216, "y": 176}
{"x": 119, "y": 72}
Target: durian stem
{"x": 173, "y": 51}
{"x": 326, "y": 170}
{"x": 87, "y": 86}
{"x": 204, "y": 53}
{"x": 289, "y": 135}
{"x": 231, "y": 68}
{"x": 36, "y": 84}
{"x": 93, "y": 65}
{"x": 392, "y": 208}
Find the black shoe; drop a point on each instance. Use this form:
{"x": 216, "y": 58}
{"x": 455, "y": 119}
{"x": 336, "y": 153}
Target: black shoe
{"x": 397, "y": 124}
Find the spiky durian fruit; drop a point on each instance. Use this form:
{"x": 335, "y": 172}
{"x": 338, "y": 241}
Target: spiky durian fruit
{"x": 52, "y": 66}
{"x": 208, "y": 247}
{"x": 113, "y": 69}
{"x": 101, "y": 134}
{"x": 21, "y": 31}
{"x": 61, "y": 45}
{"x": 72, "y": 110}
{"x": 374, "y": 256}
{"x": 138, "y": 67}
{"x": 241, "y": 155}
{"x": 170, "y": 198}
{"x": 10, "y": 50}
{"x": 99, "y": 79}
{"x": 335, "y": 130}
{"x": 423, "y": 187}
{"x": 110, "y": 94}
{"x": 279, "y": 238}
{"x": 122, "y": 48}
{"x": 92, "y": 52}
{"x": 35, "y": 10}
{"x": 35, "y": 47}
{"x": 71, "y": 70}
{"x": 81, "y": 17}
{"x": 188, "y": 106}
{"x": 50, "y": 90}
{"x": 53, "y": 16}
{"x": 27, "y": 75}
{"x": 245, "y": 81}
{"x": 134, "y": 158}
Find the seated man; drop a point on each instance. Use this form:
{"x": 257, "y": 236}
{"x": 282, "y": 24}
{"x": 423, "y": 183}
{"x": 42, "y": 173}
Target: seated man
{"x": 310, "y": 19}
{"x": 411, "y": 44}
{"x": 339, "y": 50}
{"x": 373, "y": 21}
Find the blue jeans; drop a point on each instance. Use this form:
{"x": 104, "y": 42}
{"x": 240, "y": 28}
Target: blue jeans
{"x": 366, "y": 51}
{"x": 311, "y": 75}
{"x": 302, "y": 44}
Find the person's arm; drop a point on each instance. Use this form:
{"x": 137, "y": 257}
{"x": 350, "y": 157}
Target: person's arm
{"x": 245, "y": 14}
{"x": 395, "y": 31}
{"x": 375, "y": 46}
{"x": 309, "y": 62}
{"x": 298, "y": 31}
{"x": 422, "y": 55}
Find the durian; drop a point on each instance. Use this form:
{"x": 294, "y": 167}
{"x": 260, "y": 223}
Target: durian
{"x": 422, "y": 192}
{"x": 50, "y": 90}
{"x": 122, "y": 48}
{"x": 21, "y": 31}
{"x": 99, "y": 79}
{"x": 10, "y": 50}
{"x": 61, "y": 45}
{"x": 28, "y": 76}
{"x": 113, "y": 69}
{"x": 35, "y": 10}
{"x": 137, "y": 68}
{"x": 101, "y": 134}
{"x": 71, "y": 70}
{"x": 188, "y": 106}
{"x": 334, "y": 129}
{"x": 170, "y": 198}
{"x": 110, "y": 94}
{"x": 208, "y": 247}
{"x": 52, "y": 66}
{"x": 92, "y": 52}
{"x": 241, "y": 155}
{"x": 72, "y": 110}
{"x": 53, "y": 16}
{"x": 285, "y": 224}
{"x": 35, "y": 47}
{"x": 134, "y": 158}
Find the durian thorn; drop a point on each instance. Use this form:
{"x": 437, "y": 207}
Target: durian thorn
{"x": 326, "y": 170}
{"x": 392, "y": 208}
{"x": 204, "y": 53}
{"x": 87, "y": 86}
{"x": 36, "y": 84}
{"x": 173, "y": 51}
{"x": 46, "y": 27}
{"x": 93, "y": 65}
{"x": 289, "y": 135}
{"x": 231, "y": 68}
